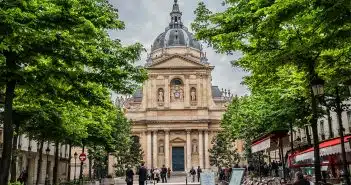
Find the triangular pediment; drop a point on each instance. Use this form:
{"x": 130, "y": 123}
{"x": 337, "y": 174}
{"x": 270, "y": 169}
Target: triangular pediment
{"x": 177, "y": 61}
{"x": 177, "y": 140}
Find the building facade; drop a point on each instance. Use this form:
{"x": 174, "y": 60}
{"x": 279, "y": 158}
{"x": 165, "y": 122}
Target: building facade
{"x": 177, "y": 112}
{"x": 28, "y": 155}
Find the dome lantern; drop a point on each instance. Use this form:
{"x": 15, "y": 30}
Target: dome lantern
{"x": 176, "y": 34}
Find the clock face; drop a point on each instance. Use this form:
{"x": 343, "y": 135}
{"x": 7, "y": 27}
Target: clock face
{"x": 177, "y": 94}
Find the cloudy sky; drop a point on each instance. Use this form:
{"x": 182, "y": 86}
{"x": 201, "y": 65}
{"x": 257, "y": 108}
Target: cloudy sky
{"x": 146, "y": 19}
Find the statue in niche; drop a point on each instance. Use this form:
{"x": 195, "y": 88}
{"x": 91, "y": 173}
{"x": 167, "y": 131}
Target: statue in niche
{"x": 193, "y": 94}
{"x": 160, "y": 95}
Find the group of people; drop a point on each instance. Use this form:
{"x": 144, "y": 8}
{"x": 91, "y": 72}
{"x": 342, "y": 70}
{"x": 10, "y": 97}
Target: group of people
{"x": 265, "y": 169}
{"x": 194, "y": 173}
{"x": 154, "y": 174}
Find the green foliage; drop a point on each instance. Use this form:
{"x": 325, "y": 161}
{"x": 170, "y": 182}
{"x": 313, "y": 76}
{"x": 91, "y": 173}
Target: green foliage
{"x": 57, "y": 58}
{"x": 132, "y": 156}
{"x": 223, "y": 153}
{"x": 286, "y": 45}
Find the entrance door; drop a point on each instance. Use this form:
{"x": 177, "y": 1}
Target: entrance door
{"x": 178, "y": 158}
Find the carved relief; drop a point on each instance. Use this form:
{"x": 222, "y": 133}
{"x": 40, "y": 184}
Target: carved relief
{"x": 177, "y": 90}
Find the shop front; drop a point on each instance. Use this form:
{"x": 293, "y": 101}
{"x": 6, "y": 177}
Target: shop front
{"x": 330, "y": 157}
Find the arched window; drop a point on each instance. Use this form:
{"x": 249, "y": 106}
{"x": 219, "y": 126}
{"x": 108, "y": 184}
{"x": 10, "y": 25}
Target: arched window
{"x": 176, "y": 81}
{"x": 161, "y": 147}
{"x": 194, "y": 148}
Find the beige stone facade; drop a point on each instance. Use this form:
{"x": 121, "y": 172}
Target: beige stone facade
{"x": 177, "y": 109}
{"x": 177, "y": 112}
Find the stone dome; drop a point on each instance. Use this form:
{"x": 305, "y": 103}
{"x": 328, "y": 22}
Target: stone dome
{"x": 176, "y": 33}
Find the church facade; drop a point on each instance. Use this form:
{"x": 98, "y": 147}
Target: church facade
{"x": 177, "y": 112}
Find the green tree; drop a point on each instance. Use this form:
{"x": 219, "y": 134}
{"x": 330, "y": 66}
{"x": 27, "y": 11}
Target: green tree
{"x": 132, "y": 156}
{"x": 223, "y": 153}
{"x": 59, "y": 47}
{"x": 275, "y": 34}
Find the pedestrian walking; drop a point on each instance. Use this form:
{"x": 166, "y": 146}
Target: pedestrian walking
{"x": 164, "y": 174}
{"x": 23, "y": 177}
{"x": 142, "y": 172}
{"x": 157, "y": 175}
{"x": 129, "y": 175}
{"x": 199, "y": 171}
{"x": 192, "y": 173}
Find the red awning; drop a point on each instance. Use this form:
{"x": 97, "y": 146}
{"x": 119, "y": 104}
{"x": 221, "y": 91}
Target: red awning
{"x": 328, "y": 147}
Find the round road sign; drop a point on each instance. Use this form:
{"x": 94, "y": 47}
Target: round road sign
{"x": 82, "y": 157}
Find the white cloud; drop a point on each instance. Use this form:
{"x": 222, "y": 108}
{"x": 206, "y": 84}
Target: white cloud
{"x": 146, "y": 19}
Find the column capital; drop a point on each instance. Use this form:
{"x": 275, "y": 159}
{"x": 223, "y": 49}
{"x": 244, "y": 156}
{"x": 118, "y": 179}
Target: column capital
{"x": 188, "y": 131}
{"x": 206, "y": 131}
{"x": 166, "y": 130}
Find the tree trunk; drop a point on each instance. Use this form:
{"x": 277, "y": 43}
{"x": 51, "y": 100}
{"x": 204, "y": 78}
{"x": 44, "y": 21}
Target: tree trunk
{"x": 330, "y": 124}
{"x": 308, "y": 136}
{"x": 55, "y": 170}
{"x": 14, "y": 155}
{"x": 8, "y": 133}
{"x": 90, "y": 163}
{"x": 69, "y": 162}
{"x": 40, "y": 161}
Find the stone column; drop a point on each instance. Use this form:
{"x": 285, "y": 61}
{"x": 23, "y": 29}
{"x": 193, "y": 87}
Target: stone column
{"x": 155, "y": 150}
{"x": 207, "y": 158}
{"x": 199, "y": 90}
{"x": 201, "y": 150}
{"x": 154, "y": 92}
{"x": 188, "y": 150}
{"x": 167, "y": 148}
{"x": 166, "y": 92}
{"x": 187, "y": 91}
{"x": 149, "y": 151}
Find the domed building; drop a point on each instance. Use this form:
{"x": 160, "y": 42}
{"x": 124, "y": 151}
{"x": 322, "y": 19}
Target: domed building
{"x": 177, "y": 112}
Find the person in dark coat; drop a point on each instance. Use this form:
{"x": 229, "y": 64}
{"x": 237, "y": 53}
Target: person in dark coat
{"x": 164, "y": 174}
{"x": 142, "y": 172}
{"x": 199, "y": 171}
{"x": 129, "y": 176}
{"x": 300, "y": 180}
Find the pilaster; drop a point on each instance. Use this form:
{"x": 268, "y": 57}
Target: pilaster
{"x": 188, "y": 149}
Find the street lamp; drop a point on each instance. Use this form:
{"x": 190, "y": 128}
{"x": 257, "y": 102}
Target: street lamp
{"x": 318, "y": 87}
{"x": 75, "y": 165}
{"x": 47, "y": 166}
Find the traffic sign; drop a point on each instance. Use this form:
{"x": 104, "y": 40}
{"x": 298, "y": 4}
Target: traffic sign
{"x": 82, "y": 157}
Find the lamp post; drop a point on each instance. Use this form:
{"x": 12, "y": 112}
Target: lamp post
{"x": 317, "y": 86}
{"x": 47, "y": 166}
{"x": 75, "y": 165}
